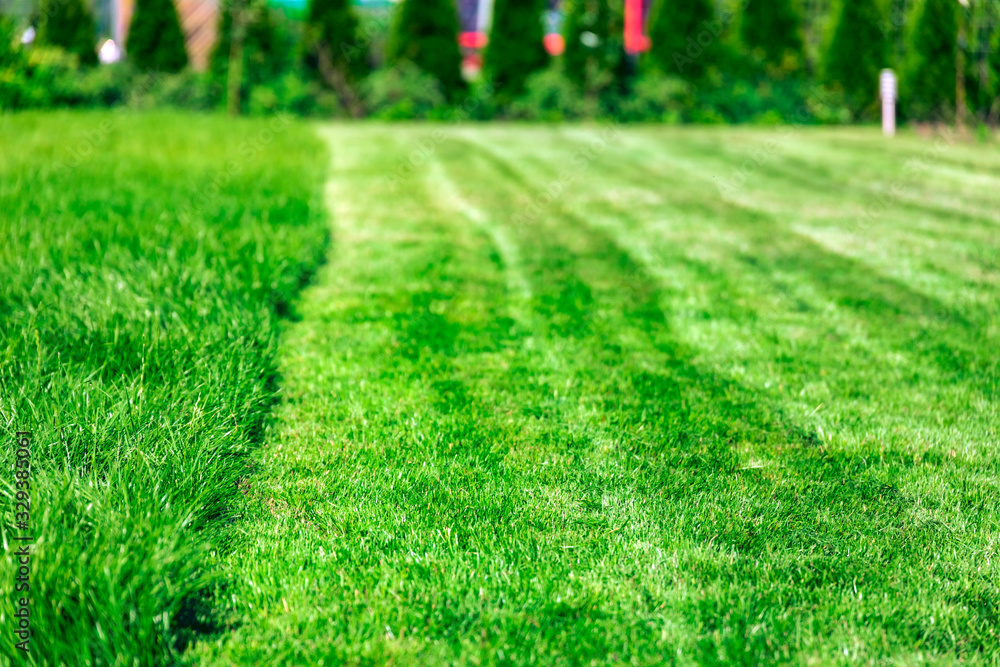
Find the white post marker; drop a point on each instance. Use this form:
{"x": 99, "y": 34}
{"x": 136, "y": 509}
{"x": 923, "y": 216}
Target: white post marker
{"x": 887, "y": 89}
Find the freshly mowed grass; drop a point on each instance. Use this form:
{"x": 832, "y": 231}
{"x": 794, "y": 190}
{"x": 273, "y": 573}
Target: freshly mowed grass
{"x": 638, "y": 420}
{"x": 551, "y": 401}
{"x": 146, "y": 260}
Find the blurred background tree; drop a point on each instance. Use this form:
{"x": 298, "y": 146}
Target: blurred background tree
{"x": 992, "y": 89}
{"x": 155, "y": 40}
{"x": 594, "y": 59}
{"x": 929, "y": 82}
{"x": 425, "y": 33}
{"x": 771, "y": 31}
{"x": 711, "y": 61}
{"x": 515, "y": 50}
{"x": 10, "y": 54}
{"x": 983, "y": 76}
{"x": 683, "y": 41}
{"x": 69, "y": 25}
{"x": 330, "y": 44}
{"x": 248, "y": 52}
{"x": 858, "y": 51}
{"x": 587, "y": 26}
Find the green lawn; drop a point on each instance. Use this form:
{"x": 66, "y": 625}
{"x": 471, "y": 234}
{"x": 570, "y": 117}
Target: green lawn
{"x": 646, "y": 421}
{"x": 559, "y": 395}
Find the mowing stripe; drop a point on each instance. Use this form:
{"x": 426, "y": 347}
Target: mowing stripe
{"x": 517, "y": 283}
{"x": 661, "y": 460}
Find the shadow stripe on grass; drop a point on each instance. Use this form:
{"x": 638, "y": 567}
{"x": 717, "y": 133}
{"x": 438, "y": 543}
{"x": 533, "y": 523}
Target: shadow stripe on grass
{"x": 945, "y": 337}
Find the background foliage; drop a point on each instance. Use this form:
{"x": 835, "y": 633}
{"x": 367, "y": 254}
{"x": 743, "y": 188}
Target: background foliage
{"x": 425, "y": 33}
{"x": 858, "y": 51}
{"x": 930, "y": 75}
{"x": 69, "y": 25}
{"x": 155, "y": 41}
{"x": 779, "y": 61}
{"x": 515, "y": 49}
{"x": 771, "y": 32}
{"x": 683, "y": 39}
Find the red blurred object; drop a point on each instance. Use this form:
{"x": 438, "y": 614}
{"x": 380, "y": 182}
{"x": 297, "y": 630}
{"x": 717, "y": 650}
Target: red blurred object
{"x": 554, "y": 43}
{"x": 635, "y": 41}
{"x": 472, "y": 40}
{"x": 472, "y": 65}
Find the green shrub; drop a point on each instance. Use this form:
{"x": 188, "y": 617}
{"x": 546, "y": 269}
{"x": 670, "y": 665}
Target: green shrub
{"x": 929, "y": 85}
{"x": 69, "y": 25}
{"x": 685, "y": 38}
{"x": 515, "y": 50}
{"x": 479, "y": 104}
{"x": 828, "y": 107}
{"x": 790, "y": 100}
{"x": 184, "y": 90}
{"x": 332, "y": 29}
{"x": 46, "y": 77}
{"x": 293, "y": 94}
{"x": 657, "y": 98}
{"x": 551, "y": 96}
{"x": 858, "y": 51}
{"x": 771, "y": 30}
{"x": 707, "y": 116}
{"x": 155, "y": 41}
{"x": 425, "y": 33}
{"x": 97, "y": 87}
{"x": 402, "y": 92}
{"x": 40, "y": 79}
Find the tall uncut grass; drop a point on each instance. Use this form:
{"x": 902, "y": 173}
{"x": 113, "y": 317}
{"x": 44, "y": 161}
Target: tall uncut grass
{"x": 146, "y": 262}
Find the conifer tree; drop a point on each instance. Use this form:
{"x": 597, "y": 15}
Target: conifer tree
{"x": 10, "y": 55}
{"x": 425, "y": 33}
{"x": 984, "y": 58}
{"x": 155, "y": 40}
{"x": 256, "y": 57}
{"x": 772, "y": 31}
{"x": 260, "y": 43}
{"x": 858, "y": 51}
{"x": 515, "y": 49}
{"x": 332, "y": 28}
{"x": 70, "y": 25}
{"x": 993, "y": 108}
{"x": 685, "y": 38}
{"x": 594, "y": 56}
{"x": 929, "y": 90}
